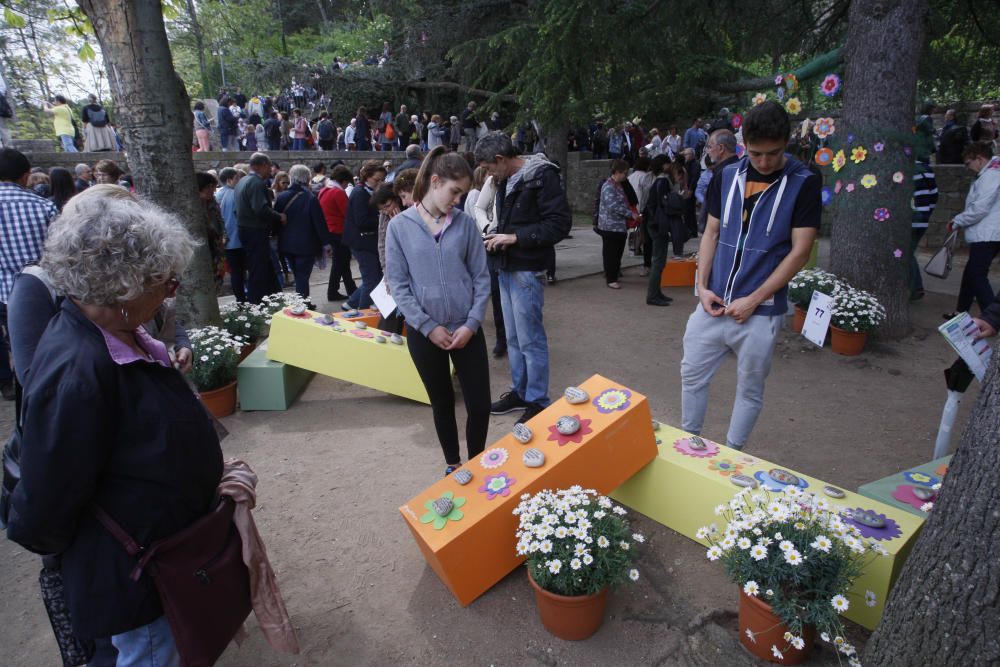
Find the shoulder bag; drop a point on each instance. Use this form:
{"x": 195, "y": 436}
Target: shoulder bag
{"x": 203, "y": 583}
{"x": 939, "y": 265}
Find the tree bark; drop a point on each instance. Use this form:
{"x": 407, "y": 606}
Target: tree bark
{"x": 945, "y": 607}
{"x": 882, "y": 53}
{"x": 154, "y": 113}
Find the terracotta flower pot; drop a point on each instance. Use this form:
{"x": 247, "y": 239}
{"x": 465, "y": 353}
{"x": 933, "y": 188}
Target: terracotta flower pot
{"x": 247, "y": 349}
{"x": 570, "y": 617}
{"x": 768, "y": 631}
{"x": 220, "y": 402}
{"x": 799, "y": 320}
{"x": 847, "y": 343}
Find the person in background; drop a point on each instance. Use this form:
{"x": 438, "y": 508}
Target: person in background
{"x": 363, "y": 130}
{"x": 484, "y": 213}
{"x": 658, "y": 222}
{"x": 437, "y": 269}
{"x": 302, "y": 237}
{"x": 641, "y": 179}
{"x": 202, "y": 127}
{"x": 435, "y": 132}
{"x": 985, "y": 128}
{"x": 256, "y": 218}
{"x": 98, "y": 135}
{"x": 361, "y": 234}
{"x": 38, "y": 182}
{"x": 350, "y": 135}
{"x": 954, "y": 138}
{"x": 612, "y": 222}
{"x": 235, "y": 256}
{"x": 107, "y": 171}
{"x": 403, "y": 128}
{"x": 319, "y": 179}
{"x": 454, "y": 133}
{"x": 62, "y": 123}
{"x": 272, "y": 131}
{"x": 333, "y": 200}
{"x": 83, "y": 176}
{"x": 216, "y": 229}
{"x": 61, "y": 186}
{"x": 144, "y": 449}
{"x": 228, "y": 126}
{"x": 980, "y": 224}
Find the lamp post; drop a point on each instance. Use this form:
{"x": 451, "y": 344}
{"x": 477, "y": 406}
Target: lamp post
{"x": 222, "y": 65}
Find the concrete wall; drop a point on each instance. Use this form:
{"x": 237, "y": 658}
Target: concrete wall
{"x": 582, "y": 176}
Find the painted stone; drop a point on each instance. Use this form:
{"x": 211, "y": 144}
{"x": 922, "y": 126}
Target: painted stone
{"x": 783, "y": 477}
{"x": 695, "y": 442}
{"x": 533, "y": 458}
{"x": 656, "y": 425}
{"x": 379, "y": 339}
{"x": 833, "y": 492}
{"x": 326, "y": 319}
{"x": 744, "y": 481}
{"x": 443, "y": 506}
{"x": 300, "y": 309}
{"x": 567, "y": 425}
{"x": 522, "y": 433}
{"x": 923, "y": 492}
{"x": 360, "y": 325}
{"x": 868, "y": 518}
{"x": 463, "y": 477}
{"x": 396, "y": 339}
{"x": 576, "y": 395}
{"x": 340, "y": 329}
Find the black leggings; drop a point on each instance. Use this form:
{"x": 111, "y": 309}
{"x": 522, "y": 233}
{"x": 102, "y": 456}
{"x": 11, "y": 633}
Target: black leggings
{"x": 473, "y": 370}
{"x": 976, "y": 277}
{"x": 612, "y": 251}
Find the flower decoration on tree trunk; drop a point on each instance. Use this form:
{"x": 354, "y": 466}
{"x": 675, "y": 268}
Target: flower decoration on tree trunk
{"x": 736, "y": 121}
{"x": 897, "y": 253}
{"x": 826, "y": 195}
{"x": 830, "y": 85}
{"x": 823, "y": 157}
{"x": 882, "y": 214}
{"x": 839, "y": 160}
{"x": 497, "y": 485}
{"x": 898, "y": 177}
{"x": 793, "y": 105}
{"x": 824, "y": 127}
{"x": 879, "y": 146}
{"x": 858, "y": 154}
{"x": 869, "y": 181}
{"x": 759, "y": 98}
{"x": 791, "y": 83}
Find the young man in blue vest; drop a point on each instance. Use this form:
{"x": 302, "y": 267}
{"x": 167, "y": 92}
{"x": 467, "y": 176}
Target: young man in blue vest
{"x": 763, "y": 214}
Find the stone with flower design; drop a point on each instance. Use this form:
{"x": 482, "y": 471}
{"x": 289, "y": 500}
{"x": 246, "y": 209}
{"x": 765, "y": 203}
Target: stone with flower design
{"x": 783, "y": 476}
{"x": 522, "y": 433}
{"x": 690, "y": 447}
{"x": 868, "y": 518}
{"x": 298, "y": 309}
{"x": 463, "y": 477}
{"x": 923, "y": 492}
{"x": 696, "y": 443}
{"x": 575, "y": 395}
{"x": 833, "y": 492}
{"x": 533, "y": 458}
{"x": 567, "y": 425}
{"x": 435, "y": 506}
{"x": 744, "y": 480}
{"x": 340, "y": 329}
{"x": 327, "y": 320}
{"x": 497, "y": 485}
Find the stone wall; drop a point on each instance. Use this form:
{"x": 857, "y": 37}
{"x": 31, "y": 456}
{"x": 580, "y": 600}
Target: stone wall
{"x": 953, "y": 181}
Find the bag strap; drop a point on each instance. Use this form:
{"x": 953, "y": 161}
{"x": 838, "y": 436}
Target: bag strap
{"x": 290, "y": 202}
{"x": 133, "y": 548}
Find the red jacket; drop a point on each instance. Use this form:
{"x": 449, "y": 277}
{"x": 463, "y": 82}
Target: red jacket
{"x": 333, "y": 201}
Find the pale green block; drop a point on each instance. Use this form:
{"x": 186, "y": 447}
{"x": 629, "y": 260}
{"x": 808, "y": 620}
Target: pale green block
{"x": 269, "y": 385}
{"x": 681, "y": 492}
{"x": 882, "y": 489}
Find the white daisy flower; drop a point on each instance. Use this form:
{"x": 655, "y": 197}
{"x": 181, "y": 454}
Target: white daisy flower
{"x": 638, "y": 538}
{"x": 786, "y": 546}
{"x": 633, "y": 574}
{"x": 587, "y": 559}
{"x": 580, "y": 549}
{"x": 777, "y": 654}
{"x": 798, "y": 643}
{"x": 751, "y": 636}
{"x": 603, "y": 542}
{"x": 870, "y": 598}
{"x": 714, "y": 553}
{"x": 576, "y": 564}
{"x": 624, "y": 545}
{"x": 744, "y": 543}
{"x": 823, "y": 543}
{"x": 555, "y": 566}
{"x": 751, "y": 588}
{"x": 840, "y": 603}
{"x": 758, "y": 552}
{"x": 545, "y": 547}
{"x": 793, "y": 557}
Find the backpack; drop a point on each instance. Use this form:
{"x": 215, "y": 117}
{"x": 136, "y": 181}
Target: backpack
{"x": 98, "y": 118}
{"x": 390, "y": 132}
{"x": 325, "y": 129}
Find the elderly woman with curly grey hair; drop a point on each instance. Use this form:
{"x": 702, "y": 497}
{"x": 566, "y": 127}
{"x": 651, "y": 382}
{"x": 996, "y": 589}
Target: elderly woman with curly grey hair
{"x": 107, "y": 421}
{"x": 302, "y": 238}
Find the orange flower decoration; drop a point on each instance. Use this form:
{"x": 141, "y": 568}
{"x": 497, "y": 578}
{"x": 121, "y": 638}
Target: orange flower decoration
{"x": 824, "y": 157}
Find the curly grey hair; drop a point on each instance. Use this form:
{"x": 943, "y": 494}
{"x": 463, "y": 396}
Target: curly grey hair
{"x": 300, "y": 173}
{"x": 106, "y": 250}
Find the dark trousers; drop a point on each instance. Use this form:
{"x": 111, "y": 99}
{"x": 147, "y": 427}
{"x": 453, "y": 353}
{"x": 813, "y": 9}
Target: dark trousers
{"x": 257, "y": 248}
{"x": 612, "y": 249}
{"x": 237, "y": 260}
{"x": 497, "y": 307}
{"x": 473, "y": 370}
{"x": 302, "y": 267}
{"x": 916, "y": 280}
{"x": 976, "y": 277}
{"x": 326, "y": 144}
{"x": 550, "y": 262}
{"x": 371, "y": 274}
{"x": 340, "y": 268}
{"x": 659, "y": 260}
{"x": 678, "y": 234}
{"x": 647, "y": 244}
{"x": 274, "y": 144}
{"x": 6, "y": 374}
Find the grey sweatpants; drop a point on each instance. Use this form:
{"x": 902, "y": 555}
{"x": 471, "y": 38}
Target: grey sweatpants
{"x": 707, "y": 341}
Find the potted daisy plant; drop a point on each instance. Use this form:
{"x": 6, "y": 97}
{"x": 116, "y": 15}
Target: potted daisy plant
{"x": 794, "y": 559}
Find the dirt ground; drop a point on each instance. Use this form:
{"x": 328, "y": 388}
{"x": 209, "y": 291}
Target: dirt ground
{"x": 335, "y": 467}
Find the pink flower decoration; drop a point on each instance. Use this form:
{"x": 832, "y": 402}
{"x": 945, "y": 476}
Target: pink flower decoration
{"x": 830, "y": 85}
{"x": 898, "y": 177}
{"x": 882, "y": 214}
{"x": 778, "y": 79}
{"x": 838, "y": 186}
{"x": 850, "y": 187}
{"x": 736, "y": 121}
{"x": 897, "y": 253}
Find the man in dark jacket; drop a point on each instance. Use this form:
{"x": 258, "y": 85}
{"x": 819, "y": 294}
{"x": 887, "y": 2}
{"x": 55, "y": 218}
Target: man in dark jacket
{"x": 255, "y": 218}
{"x": 532, "y": 216}
{"x": 303, "y": 238}
{"x": 228, "y": 127}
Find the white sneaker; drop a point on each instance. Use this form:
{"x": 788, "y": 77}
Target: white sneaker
{"x": 614, "y": 286}
{"x": 644, "y": 271}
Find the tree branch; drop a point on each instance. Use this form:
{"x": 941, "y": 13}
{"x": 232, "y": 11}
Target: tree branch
{"x": 448, "y": 85}
{"x": 812, "y": 68}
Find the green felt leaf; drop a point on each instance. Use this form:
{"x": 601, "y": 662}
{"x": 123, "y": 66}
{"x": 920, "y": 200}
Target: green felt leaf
{"x": 427, "y": 518}
{"x": 448, "y": 494}
{"x": 458, "y": 502}
{"x": 429, "y": 505}
{"x": 456, "y": 515}
{"x": 439, "y": 522}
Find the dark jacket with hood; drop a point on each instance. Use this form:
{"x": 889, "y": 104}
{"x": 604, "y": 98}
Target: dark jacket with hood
{"x": 536, "y": 211}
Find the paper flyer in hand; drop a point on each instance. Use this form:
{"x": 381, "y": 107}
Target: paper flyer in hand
{"x": 959, "y": 331}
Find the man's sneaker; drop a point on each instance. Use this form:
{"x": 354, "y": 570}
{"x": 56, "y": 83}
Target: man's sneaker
{"x": 346, "y": 306}
{"x": 530, "y": 411}
{"x": 509, "y": 401}
{"x": 451, "y": 469}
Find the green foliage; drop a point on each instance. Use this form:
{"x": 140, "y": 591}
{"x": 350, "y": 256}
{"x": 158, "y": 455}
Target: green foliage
{"x": 807, "y": 281}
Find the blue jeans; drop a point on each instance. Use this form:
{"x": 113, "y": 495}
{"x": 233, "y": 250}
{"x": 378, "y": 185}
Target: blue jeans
{"x": 67, "y": 143}
{"x": 151, "y": 645}
{"x": 302, "y": 266}
{"x": 298, "y": 144}
{"x": 522, "y": 295}
{"x": 371, "y": 275}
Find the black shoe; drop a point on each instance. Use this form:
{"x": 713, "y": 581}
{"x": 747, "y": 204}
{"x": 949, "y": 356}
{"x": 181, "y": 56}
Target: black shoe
{"x": 552, "y": 280}
{"x": 7, "y": 390}
{"x": 499, "y": 351}
{"x": 336, "y": 296}
{"x": 530, "y": 411}
{"x": 451, "y": 469}
{"x": 948, "y": 316}
{"x": 509, "y": 401}
{"x": 917, "y": 295}
{"x": 659, "y": 301}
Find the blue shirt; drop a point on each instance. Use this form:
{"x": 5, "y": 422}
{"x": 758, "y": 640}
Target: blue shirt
{"x": 693, "y": 136}
{"x": 226, "y": 198}
{"x": 24, "y": 223}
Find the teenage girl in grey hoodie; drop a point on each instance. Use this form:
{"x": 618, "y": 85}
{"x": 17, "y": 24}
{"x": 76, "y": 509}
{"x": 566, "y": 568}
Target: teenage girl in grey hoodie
{"x": 436, "y": 264}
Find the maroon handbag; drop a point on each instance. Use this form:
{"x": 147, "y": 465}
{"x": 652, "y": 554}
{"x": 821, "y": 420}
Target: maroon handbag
{"x": 202, "y": 580}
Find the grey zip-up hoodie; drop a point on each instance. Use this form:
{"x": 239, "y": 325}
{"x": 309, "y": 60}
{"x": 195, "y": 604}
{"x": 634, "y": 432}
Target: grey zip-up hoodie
{"x": 443, "y": 282}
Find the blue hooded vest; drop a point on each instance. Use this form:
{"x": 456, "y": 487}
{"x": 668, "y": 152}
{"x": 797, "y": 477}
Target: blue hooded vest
{"x": 768, "y": 239}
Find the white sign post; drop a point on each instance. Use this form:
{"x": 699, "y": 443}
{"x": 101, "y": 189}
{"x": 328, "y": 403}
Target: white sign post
{"x": 818, "y": 318}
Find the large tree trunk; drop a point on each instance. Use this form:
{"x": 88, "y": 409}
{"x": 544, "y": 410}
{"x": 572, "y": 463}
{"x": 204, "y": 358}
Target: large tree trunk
{"x": 882, "y": 53}
{"x": 945, "y": 608}
{"x": 154, "y": 113}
